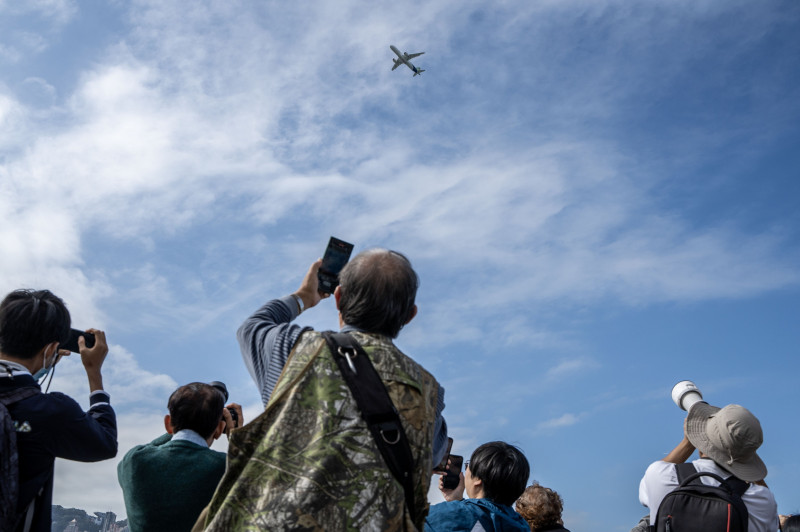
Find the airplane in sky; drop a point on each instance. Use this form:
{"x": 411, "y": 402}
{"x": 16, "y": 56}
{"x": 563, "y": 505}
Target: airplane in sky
{"x": 405, "y": 58}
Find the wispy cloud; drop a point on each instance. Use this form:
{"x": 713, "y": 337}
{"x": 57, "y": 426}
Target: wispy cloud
{"x": 565, "y": 420}
{"x": 569, "y": 367}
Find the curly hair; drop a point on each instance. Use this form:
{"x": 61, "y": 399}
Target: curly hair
{"x": 540, "y": 507}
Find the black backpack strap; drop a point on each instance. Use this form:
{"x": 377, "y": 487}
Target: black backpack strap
{"x": 376, "y": 409}
{"x": 684, "y": 471}
{"x": 737, "y": 485}
{"x": 687, "y": 471}
{"x": 18, "y": 394}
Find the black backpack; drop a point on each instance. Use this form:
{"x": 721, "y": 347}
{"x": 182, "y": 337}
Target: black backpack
{"x": 9, "y": 459}
{"x": 697, "y": 507}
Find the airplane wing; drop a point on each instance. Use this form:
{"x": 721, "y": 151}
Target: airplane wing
{"x": 396, "y": 64}
{"x": 412, "y": 56}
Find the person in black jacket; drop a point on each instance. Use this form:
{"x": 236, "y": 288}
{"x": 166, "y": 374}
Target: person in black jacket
{"x": 49, "y": 425}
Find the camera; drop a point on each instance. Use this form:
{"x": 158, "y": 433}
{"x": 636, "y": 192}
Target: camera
{"x": 224, "y": 391}
{"x": 685, "y": 394}
{"x": 72, "y": 343}
{"x": 234, "y": 416}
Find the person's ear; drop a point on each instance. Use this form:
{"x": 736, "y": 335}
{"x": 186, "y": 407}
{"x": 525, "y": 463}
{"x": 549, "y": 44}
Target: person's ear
{"x": 337, "y": 293}
{"x": 48, "y": 353}
{"x": 220, "y": 429}
{"x": 477, "y": 487}
{"x": 53, "y": 348}
{"x": 411, "y": 315}
{"x": 168, "y": 424}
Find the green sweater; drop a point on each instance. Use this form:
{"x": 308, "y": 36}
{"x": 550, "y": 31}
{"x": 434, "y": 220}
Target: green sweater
{"x": 166, "y": 484}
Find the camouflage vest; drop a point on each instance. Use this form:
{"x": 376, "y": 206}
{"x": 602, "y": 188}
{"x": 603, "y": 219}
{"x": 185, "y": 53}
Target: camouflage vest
{"x": 309, "y": 462}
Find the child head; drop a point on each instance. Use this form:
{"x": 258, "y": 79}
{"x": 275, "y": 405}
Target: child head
{"x": 498, "y": 469}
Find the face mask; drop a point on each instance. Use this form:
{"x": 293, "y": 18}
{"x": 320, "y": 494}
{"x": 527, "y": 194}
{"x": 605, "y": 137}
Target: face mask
{"x": 39, "y": 375}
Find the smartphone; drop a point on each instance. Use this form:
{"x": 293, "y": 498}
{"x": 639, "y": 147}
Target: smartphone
{"x": 452, "y": 477}
{"x": 442, "y": 466}
{"x": 336, "y": 256}
{"x": 72, "y": 343}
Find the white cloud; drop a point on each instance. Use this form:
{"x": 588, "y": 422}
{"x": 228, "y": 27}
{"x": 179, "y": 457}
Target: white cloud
{"x": 130, "y": 386}
{"x": 57, "y": 11}
{"x": 569, "y": 367}
{"x": 565, "y": 420}
{"x": 160, "y": 152}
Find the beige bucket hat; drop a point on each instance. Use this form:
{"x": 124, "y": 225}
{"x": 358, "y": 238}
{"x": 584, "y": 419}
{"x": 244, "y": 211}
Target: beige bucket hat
{"x": 730, "y": 437}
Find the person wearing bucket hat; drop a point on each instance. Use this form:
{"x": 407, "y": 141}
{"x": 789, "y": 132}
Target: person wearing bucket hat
{"x": 726, "y": 440}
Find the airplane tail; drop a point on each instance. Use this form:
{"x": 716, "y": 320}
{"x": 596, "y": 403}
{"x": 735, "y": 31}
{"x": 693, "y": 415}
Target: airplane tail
{"x": 418, "y": 72}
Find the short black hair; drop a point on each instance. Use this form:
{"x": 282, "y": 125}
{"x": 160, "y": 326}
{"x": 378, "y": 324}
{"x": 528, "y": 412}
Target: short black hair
{"x": 378, "y": 288}
{"x": 792, "y": 524}
{"x": 502, "y": 469}
{"x": 31, "y": 319}
{"x": 196, "y": 406}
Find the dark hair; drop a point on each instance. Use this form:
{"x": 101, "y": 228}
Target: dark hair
{"x": 792, "y": 524}
{"x": 31, "y": 319}
{"x": 196, "y": 406}
{"x": 503, "y": 470}
{"x": 377, "y": 289}
{"x": 541, "y": 507}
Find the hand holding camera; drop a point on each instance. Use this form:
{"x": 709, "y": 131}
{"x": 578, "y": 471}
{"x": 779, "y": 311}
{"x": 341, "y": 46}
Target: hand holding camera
{"x": 232, "y": 414}
{"x": 93, "y": 357}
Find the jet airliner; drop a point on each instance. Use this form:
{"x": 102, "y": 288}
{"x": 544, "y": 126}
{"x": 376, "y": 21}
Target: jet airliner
{"x": 405, "y": 58}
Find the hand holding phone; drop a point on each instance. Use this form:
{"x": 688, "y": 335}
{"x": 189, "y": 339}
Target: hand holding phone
{"x": 441, "y": 467}
{"x": 453, "y": 476}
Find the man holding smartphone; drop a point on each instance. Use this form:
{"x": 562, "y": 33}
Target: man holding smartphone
{"x": 495, "y": 477}
{"x": 32, "y": 326}
{"x": 309, "y": 459}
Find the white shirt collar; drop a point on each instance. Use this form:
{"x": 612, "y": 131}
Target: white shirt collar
{"x": 190, "y": 436}
{"x": 16, "y": 369}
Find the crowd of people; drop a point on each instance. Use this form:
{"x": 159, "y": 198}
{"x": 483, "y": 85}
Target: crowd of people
{"x": 347, "y": 440}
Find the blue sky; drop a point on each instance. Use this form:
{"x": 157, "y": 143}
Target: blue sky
{"x": 600, "y": 197}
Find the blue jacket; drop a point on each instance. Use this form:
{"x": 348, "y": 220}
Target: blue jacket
{"x": 463, "y": 515}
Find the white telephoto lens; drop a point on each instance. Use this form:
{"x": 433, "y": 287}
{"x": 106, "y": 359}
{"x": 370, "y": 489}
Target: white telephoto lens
{"x": 685, "y": 394}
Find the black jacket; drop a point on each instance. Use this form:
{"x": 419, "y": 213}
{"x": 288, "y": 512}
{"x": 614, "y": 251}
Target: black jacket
{"x": 51, "y": 426}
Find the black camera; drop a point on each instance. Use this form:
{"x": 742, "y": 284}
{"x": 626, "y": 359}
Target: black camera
{"x": 234, "y": 416}
{"x": 224, "y": 391}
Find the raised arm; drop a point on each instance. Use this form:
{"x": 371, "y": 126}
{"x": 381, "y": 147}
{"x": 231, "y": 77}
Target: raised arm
{"x": 266, "y": 338}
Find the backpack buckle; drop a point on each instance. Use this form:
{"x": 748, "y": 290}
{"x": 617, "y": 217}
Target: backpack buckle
{"x": 347, "y": 352}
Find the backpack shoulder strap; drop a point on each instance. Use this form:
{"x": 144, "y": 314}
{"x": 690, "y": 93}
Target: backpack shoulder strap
{"x": 376, "y": 409}
{"x": 684, "y": 471}
{"x": 18, "y": 394}
{"x": 737, "y": 485}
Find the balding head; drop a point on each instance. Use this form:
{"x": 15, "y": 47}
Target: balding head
{"x": 377, "y": 292}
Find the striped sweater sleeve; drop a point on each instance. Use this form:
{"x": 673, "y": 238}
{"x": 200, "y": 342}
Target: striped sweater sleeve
{"x": 266, "y": 339}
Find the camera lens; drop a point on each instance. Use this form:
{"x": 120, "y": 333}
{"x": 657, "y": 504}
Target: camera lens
{"x": 685, "y": 394}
